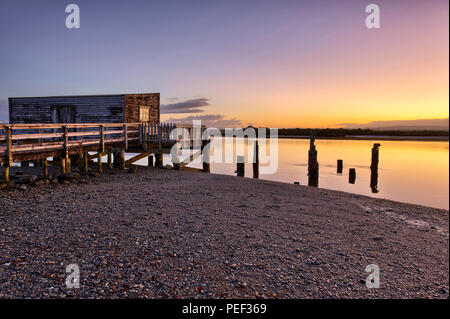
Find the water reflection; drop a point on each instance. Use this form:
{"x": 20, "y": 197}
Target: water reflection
{"x": 408, "y": 171}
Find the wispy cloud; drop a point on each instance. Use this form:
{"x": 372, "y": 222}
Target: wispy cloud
{"x": 210, "y": 120}
{"x": 430, "y": 124}
{"x": 188, "y": 106}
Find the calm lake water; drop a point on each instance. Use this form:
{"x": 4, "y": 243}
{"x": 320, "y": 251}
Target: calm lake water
{"x": 409, "y": 171}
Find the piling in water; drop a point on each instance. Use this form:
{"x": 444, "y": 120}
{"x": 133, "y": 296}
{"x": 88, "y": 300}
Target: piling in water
{"x": 240, "y": 166}
{"x": 313, "y": 164}
{"x": 352, "y": 175}
{"x": 374, "y": 168}
{"x": 256, "y": 160}
{"x": 340, "y": 166}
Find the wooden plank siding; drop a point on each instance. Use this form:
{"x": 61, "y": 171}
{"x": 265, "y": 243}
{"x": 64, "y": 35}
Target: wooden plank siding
{"x": 115, "y": 108}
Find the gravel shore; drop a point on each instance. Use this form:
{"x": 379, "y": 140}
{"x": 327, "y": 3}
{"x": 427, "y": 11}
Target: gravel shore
{"x": 162, "y": 233}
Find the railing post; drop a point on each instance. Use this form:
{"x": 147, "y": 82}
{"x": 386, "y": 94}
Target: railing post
{"x": 9, "y": 160}
{"x": 125, "y": 136}
{"x": 8, "y": 164}
{"x": 102, "y": 139}
{"x": 66, "y": 150}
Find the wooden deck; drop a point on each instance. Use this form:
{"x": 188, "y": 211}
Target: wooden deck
{"x": 33, "y": 142}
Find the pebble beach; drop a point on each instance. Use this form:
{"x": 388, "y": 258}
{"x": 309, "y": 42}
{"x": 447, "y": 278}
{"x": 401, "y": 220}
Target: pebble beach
{"x": 161, "y": 233}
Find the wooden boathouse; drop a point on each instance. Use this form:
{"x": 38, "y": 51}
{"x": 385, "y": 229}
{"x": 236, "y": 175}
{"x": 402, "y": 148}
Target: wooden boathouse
{"x": 113, "y": 108}
{"x": 67, "y": 128}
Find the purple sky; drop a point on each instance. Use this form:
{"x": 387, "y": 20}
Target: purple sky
{"x": 244, "y": 61}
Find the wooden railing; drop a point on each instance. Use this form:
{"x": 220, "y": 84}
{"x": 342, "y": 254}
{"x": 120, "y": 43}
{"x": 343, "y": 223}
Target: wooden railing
{"x": 18, "y": 138}
{"x": 21, "y": 138}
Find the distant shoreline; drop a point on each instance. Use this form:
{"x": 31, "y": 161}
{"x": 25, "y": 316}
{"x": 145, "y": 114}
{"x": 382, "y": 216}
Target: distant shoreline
{"x": 372, "y": 137}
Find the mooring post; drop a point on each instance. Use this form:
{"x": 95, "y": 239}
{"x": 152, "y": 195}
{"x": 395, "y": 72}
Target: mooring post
{"x": 256, "y": 160}
{"x": 374, "y": 168}
{"x": 205, "y": 149}
{"x": 375, "y": 156}
{"x": 340, "y": 166}
{"x": 240, "y": 166}
{"x": 313, "y": 164}
{"x": 352, "y": 175}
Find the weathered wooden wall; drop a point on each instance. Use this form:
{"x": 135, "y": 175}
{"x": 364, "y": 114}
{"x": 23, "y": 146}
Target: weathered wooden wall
{"x": 88, "y": 109}
{"x": 132, "y": 103}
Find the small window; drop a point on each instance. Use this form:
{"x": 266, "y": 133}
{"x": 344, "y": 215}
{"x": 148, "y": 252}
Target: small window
{"x": 144, "y": 114}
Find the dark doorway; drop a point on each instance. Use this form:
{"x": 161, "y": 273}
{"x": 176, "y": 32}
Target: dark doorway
{"x": 63, "y": 114}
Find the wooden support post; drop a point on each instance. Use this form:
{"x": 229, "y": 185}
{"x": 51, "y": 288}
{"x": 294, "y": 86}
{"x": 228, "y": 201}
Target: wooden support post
{"x": 63, "y": 165}
{"x": 86, "y": 163}
{"x": 150, "y": 161}
{"x": 122, "y": 157}
{"x": 109, "y": 158}
{"x": 99, "y": 162}
{"x": 240, "y": 166}
{"x": 68, "y": 165}
{"x": 313, "y": 164}
{"x": 159, "y": 160}
{"x": 206, "y": 148}
{"x": 352, "y": 175}
{"x": 45, "y": 167}
{"x": 340, "y": 166}
{"x": 6, "y": 173}
{"x": 125, "y": 136}
{"x": 256, "y": 160}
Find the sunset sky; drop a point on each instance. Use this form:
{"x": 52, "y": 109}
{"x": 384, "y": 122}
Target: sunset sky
{"x": 248, "y": 62}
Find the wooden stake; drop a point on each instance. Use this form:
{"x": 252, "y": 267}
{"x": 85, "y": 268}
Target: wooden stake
{"x": 340, "y": 166}
{"x": 352, "y": 175}
{"x": 313, "y": 164}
